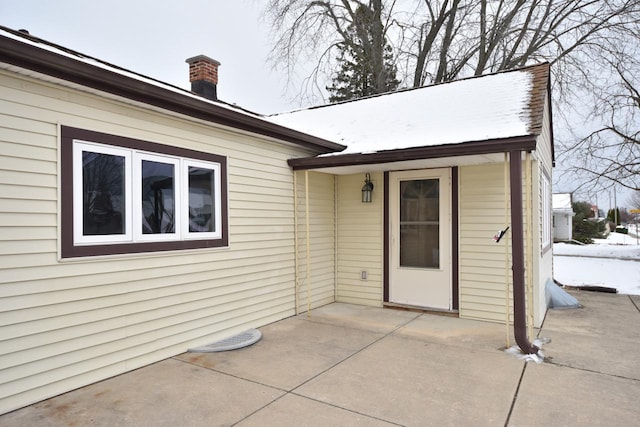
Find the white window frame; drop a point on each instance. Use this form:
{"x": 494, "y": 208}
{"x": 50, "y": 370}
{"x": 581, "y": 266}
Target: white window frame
{"x": 138, "y": 236}
{"x": 78, "y": 224}
{"x": 186, "y": 163}
{"x": 133, "y": 196}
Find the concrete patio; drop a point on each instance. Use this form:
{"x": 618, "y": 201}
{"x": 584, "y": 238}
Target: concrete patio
{"x": 352, "y": 365}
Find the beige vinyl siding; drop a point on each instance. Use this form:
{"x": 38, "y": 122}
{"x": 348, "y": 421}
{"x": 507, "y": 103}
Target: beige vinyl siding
{"x": 482, "y": 261}
{"x": 69, "y": 323}
{"x": 543, "y": 257}
{"x": 320, "y": 289}
{"x": 360, "y": 241}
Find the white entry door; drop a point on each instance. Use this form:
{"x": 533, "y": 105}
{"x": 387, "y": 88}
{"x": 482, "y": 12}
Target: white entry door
{"x": 420, "y": 228}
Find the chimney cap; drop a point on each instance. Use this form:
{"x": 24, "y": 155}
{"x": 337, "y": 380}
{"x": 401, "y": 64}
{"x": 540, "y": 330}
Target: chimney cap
{"x": 201, "y": 58}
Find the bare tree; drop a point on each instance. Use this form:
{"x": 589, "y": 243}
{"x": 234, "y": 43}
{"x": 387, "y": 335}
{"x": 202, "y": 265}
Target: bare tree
{"x": 610, "y": 153}
{"x": 311, "y": 32}
{"x": 439, "y": 40}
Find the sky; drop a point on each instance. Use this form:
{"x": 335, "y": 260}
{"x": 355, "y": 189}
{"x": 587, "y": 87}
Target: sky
{"x": 154, "y": 37}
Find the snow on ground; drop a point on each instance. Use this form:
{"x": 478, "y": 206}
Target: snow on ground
{"x": 613, "y": 262}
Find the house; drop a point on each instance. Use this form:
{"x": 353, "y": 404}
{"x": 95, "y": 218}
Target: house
{"x": 450, "y": 165}
{"x": 562, "y": 217}
{"x": 139, "y": 219}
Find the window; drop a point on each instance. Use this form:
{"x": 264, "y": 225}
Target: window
{"x": 121, "y": 195}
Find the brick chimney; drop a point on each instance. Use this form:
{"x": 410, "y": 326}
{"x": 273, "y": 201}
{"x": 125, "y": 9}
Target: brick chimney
{"x": 203, "y": 75}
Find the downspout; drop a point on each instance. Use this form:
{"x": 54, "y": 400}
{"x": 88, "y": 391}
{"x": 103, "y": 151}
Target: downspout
{"x": 335, "y": 238}
{"x": 296, "y": 262}
{"x": 506, "y": 251}
{"x": 517, "y": 254}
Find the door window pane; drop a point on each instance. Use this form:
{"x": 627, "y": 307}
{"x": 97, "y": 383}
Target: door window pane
{"x": 158, "y": 197}
{"x": 201, "y": 199}
{"x": 420, "y": 223}
{"x": 103, "y": 203}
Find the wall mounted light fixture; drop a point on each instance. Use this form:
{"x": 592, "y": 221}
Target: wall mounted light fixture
{"x": 367, "y": 189}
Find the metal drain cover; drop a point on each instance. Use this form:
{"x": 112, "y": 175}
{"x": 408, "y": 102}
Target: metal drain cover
{"x": 243, "y": 339}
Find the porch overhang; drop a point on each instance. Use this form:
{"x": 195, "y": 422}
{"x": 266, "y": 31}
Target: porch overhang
{"x": 471, "y": 152}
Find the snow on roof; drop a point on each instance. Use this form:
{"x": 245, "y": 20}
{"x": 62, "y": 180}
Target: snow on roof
{"x": 475, "y": 109}
{"x": 562, "y": 201}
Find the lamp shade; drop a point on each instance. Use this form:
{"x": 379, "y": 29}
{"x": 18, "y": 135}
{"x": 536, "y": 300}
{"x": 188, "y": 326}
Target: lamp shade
{"x": 367, "y": 189}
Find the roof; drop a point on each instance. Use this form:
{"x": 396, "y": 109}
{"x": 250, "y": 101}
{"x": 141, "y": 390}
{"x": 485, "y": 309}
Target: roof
{"x": 562, "y": 202}
{"x": 22, "y": 51}
{"x": 494, "y": 111}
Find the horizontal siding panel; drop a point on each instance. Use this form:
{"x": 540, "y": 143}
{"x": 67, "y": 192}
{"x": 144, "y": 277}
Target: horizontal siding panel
{"x": 496, "y": 307}
{"x": 259, "y": 175}
{"x": 484, "y": 292}
{"x": 21, "y": 192}
{"x": 253, "y": 188}
{"x": 29, "y": 152}
{"x": 17, "y": 164}
{"x": 480, "y": 255}
{"x": 476, "y": 279}
{"x": 472, "y": 314}
{"x": 29, "y": 179}
{"x": 483, "y": 269}
{"x": 20, "y": 247}
{"x": 484, "y": 300}
{"x": 14, "y": 266}
{"x": 21, "y": 129}
{"x": 27, "y": 233}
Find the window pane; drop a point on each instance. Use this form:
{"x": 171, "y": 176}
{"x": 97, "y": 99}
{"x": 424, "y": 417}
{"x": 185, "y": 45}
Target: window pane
{"x": 201, "y": 199}
{"x": 158, "y": 198}
{"x": 420, "y": 223}
{"x": 103, "y": 194}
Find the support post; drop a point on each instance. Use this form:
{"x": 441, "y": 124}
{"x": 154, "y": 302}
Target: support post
{"x": 306, "y": 208}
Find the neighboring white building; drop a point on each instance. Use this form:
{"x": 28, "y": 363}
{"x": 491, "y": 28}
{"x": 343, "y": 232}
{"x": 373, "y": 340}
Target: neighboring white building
{"x": 562, "y": 217}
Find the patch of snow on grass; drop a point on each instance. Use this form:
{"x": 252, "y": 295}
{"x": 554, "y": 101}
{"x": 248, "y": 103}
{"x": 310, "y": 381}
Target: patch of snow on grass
{"x": 613, "y": 262}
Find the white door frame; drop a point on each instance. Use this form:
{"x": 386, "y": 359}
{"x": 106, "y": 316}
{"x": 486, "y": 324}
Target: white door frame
{"x": 430, "y": 288}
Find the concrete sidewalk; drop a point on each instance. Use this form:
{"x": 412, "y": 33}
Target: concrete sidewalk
{"x": 352, "y": 365}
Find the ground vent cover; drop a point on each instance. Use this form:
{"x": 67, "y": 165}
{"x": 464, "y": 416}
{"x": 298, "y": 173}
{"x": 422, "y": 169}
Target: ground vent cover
{"x": 243, "y": 339}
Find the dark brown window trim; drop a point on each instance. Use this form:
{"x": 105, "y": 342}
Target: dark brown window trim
{"x": 69, "y": 250}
